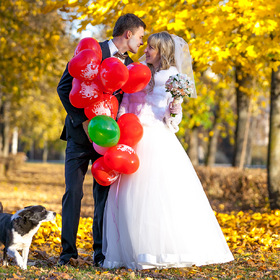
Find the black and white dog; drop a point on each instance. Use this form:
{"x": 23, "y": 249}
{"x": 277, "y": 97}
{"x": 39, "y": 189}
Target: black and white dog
{"x": 16, "y": 231}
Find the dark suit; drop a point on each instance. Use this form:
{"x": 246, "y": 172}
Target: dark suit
{"x": 79, "y": 152}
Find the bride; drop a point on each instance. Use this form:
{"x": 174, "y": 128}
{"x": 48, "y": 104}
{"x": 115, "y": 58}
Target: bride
{"x": 160, "y": 217}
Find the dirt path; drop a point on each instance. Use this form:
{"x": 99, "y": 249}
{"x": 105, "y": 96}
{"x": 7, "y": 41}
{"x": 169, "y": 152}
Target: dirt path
{"x": 227, "y": 188}
{"x": 38, "y": 183}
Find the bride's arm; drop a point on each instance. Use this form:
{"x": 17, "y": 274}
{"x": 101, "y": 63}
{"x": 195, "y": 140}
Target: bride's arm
{"x": 173, "y": 122}
{"x": 124, "y": 105}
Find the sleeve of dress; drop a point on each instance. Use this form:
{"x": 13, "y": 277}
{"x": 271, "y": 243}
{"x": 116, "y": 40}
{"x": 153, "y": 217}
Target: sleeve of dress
{"x": 173, "y": 122}
{"x": 124, "y": 105}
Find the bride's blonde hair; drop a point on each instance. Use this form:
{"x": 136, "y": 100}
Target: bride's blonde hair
{"x": 164, "y": 44}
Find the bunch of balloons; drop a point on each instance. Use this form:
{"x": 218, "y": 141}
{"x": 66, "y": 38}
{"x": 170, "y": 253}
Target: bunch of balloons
{"x": 93, "y": 85}
{"x": 114, "y": 140}
{"x": 94, "y": 79}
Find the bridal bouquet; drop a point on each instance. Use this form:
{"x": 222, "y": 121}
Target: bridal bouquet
{"x": 179, "y": 85}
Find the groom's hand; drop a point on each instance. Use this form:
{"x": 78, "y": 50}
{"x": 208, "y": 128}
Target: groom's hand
{"x": 85, "y": 127}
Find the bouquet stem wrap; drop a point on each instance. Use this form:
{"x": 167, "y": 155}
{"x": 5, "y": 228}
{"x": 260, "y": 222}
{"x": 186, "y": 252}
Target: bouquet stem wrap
{"x": 176, "y": 100}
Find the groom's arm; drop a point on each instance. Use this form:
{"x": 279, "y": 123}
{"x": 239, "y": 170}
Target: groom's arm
{"x": 76, "y": 115}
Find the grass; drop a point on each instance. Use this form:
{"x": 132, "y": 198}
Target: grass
{"x": 38, "y": 183}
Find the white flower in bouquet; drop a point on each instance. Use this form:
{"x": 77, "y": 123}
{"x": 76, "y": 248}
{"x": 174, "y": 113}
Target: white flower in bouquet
{"x": 179, "y": 85}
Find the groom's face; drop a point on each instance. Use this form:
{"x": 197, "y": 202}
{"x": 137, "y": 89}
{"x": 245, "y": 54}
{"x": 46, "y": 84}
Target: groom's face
{"x": 135, "y": 40}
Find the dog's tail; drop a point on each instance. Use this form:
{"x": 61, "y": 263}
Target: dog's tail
{"x": 1, "y": 207}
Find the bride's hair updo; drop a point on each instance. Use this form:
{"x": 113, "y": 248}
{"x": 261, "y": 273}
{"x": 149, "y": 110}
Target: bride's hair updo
{"x": 164, "y": 44}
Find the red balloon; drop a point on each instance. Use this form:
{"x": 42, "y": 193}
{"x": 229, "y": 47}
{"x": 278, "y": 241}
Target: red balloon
{"x": 131, "y": 129}
{"x": 113, "y": 104}
{"x": 85, "y": 65}
{"x": 102, "y": 173}
{"x": 97, "y": 80}
{"x": 91, "y": 44}
{"x": 122, "y": 159}
{"x": 113, "y": 74}
{"x": 107, "y": 106}
{"x": 84, "y": 93}
{"x": 139, "y": 77}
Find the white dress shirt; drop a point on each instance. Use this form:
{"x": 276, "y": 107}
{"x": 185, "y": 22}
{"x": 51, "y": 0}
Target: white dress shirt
{"x": 114, "y": 49}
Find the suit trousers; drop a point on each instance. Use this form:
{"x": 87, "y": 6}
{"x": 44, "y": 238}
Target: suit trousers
{"x": 76, "y": 166}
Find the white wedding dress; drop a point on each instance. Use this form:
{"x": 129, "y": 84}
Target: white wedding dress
{"x": 160, "y": 217}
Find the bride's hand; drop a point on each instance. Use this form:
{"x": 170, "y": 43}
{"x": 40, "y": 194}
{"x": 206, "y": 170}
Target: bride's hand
{"x": 175, "y": 108}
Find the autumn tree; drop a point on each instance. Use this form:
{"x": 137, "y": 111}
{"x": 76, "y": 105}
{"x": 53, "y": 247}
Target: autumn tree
{"x": 223, "y": 117}
{"x": 235, "y": 38}
{"x": 221, "y": 35}
{"x": 34, "y": 49}
{"x": 273, "y": 168}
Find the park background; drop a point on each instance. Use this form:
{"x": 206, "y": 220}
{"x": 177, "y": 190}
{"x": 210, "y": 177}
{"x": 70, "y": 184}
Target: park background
{"x": 231, "y": 132}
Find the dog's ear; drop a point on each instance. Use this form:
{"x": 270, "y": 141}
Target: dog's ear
{"x": 22, "y": 214}
{"x": 1, "y": 208}
{"x": 25, "y": 214}
{"x": 34, "y": 213}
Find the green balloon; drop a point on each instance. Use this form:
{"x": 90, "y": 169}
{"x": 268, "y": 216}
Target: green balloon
{"x": 104, "y": 131}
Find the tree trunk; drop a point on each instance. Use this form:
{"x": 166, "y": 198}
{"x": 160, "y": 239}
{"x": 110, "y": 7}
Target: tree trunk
{"x": 213, "y": 141}
{"x": 32, "y": 150}
{"x": 250, "y": 142}
{"x": 15, "y": 141}
{"x": 273, "y": 166}
{"x": 1, "y": 127}
{"x": 243, "y": 118}
{"x": 193, "y": 146}
{"x": 245, "y": 142}
{"x": 212, "y": 147}
{"x": 45, "y": 151}
{"x": 5, "y": 128}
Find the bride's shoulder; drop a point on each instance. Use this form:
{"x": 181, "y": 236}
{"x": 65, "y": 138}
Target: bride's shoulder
{"x": 163, "y": 75}
{"x": 172, "y": 70}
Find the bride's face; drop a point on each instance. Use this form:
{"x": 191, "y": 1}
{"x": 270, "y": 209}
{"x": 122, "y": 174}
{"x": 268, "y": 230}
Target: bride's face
{"x": 152, "y": 55}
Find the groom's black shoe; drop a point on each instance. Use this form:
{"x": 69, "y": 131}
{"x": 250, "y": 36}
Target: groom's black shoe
{"x": 98, "y": 258}
{"x": 62, "y": 262}
{"x": 99, "y": 264}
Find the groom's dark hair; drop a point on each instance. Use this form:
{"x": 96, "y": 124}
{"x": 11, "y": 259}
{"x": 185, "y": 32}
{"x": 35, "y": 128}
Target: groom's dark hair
{"x": 127, "y": 22}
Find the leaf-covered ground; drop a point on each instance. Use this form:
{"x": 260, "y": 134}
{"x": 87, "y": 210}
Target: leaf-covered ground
{"x": 253, "y": 235}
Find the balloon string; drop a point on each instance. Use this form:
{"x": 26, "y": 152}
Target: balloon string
{"x": 106, "y": 104}
{"x": 117, "y": 192}
{"x": 117, "y": 204}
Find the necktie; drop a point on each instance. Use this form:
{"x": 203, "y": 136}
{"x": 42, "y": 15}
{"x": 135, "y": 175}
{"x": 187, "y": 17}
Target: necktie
{"x": 120, "y": 55}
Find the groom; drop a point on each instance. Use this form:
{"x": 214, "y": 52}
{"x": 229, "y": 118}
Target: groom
{"x": 127, "y": 36}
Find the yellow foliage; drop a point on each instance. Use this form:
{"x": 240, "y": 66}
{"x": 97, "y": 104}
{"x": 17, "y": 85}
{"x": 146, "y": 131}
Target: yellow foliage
{"x": 55, "y": 37}
{"x": 91, "y": 6}
{"x": 251, "y": 51}
{"x": 242, "y": 230}
{"x": 221, "y": 35}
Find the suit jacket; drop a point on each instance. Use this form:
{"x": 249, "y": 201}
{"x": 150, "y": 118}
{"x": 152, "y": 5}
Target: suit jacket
{"x": 75, "y": 117}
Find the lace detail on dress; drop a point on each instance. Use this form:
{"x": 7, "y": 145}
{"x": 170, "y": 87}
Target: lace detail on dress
{"x": 152, "y": 108}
